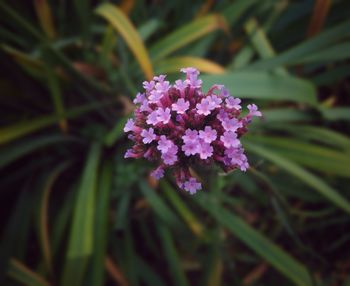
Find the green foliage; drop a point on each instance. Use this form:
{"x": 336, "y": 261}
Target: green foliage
{"x": 75, "y": 212}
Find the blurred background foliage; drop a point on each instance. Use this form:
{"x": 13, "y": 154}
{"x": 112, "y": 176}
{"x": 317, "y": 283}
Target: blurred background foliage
{"x": 75, "y": 212}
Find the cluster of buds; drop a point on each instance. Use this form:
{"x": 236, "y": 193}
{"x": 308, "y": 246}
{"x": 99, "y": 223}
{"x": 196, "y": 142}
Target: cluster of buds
{"x": 178, "y": 126}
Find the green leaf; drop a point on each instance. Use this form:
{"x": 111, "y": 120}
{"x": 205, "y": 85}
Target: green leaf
{"x": 101, "y": 225}
{"x": 158, "y": 206}
{"x": 123, "y": 25}
{"x": 307, "y": 154}
{"x": 13, "y": 152}
{"x": 171, "y": 255}
{"x": 186, "y": 35}
{"x": 307, "y": 177}
{"x": 264, "y": 86}
{"x": 23, "y": 274}
{"x": 17, "y": 130}
{"x": 189, "y": 217}
{"x": 304, "y": 49}
{"x": 174, "y": 64}
{"x": 336, "y": 113}
{"x": 276, "y": 256}
{"x": 81, "y": 237}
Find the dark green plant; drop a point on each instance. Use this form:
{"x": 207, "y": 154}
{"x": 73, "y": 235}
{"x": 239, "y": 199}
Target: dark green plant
{"x": 77, "y": 213}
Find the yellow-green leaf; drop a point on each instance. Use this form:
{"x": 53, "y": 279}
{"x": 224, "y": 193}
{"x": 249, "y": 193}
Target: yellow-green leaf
{"x": 171, "y": 65}
{"x": 187, "y": 34}
{"x": 123, "y": 25}
{"x": 44, "y": 14}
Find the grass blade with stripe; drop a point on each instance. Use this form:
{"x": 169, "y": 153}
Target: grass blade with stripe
{"x": 44, "y": 215}
{"x": 171, "y": 254}
{"x": 17, "y": 130}
{"x": 278, "y": 258}
{"x": 80, "y": 246}
{"x": 23, "y": 274}
{"x": 186, "y": 35}
{"x": 123, "y": 25}
{"x": 305, "y": 176}
{"x": 173, "y": 65}
{"x": 101, "y": 225}
{"x": 260, "y": 85}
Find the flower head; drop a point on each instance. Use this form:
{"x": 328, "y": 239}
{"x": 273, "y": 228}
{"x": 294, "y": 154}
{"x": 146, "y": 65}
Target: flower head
{"x": 180, "y": 106}
{"x": 179, "y": 126}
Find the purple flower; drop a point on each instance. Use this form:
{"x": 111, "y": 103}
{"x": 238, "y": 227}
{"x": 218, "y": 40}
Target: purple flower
{"x": 164, "y": 144}
{"x": 190, "y": 71}
{"x": 190, "y": 148}
{"x": 180, "y": 85}
{"x": 225, "y": 92}
{"x": 231, "y": 124}
{"x": 155, "y": 96}
{"x": 253, "y": 110}
{"x": 148, "y": 135}
{"x": 236, "y": 157}
{"x": 205, "y": 150}
{"x": 208, "y": 135}
{"x": 158, "y": 173}
{"x": 232, "y": 102}
{"x": 179, "y": 125}
{"x": 129, "y": 126}
{"x": 140, "y": 97}
{"x": 159, "y": 78}
{"x": 229, "y": 139}
{"x": 163, "y": 115}
{"x": 222, "y": 115}
{"x": 190, "y": 135}
{"x": 145, "y": 107}
{"x": 214, "y": 101}
{"x": 204, "y": 107}
{"x": 148, "y": 86}
{"x": 170, "y": 157}
{"x": 194, "y": 82}
{"x": 192, "y": 186}
{"x": 152, "y": 118}
{"x": 180, "y": 106}
{"x": 163, "y": 86}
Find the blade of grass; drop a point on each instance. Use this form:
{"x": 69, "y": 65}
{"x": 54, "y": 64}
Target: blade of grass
{"x": 12, "y": 153}
{"x": 23, "y": 274}
{"x": 276, "y": 256}
{"x": 321, "y": 41}
{"x": 172, "y": 65}
{"x": 101, "y": 225}
{"x": 116, "y": 133}
{"x": 43, "y": 11}
{"x": 44, "y": 215}
{"x": 260, "y": 42}
{"x": 80, "y": 246}
{"x": 159, "y": 207}
{"x": 17, "y": 130}
{"x": 311, "y": 155}
{"x": 186, "y": 35}
{"x": 336, "y": 113}
{"x": 19, "y": 219}
{"x": 149, "y": 276}
{"x": 115, "y": 272}
{"x": 191, "y": 220}
{"x": 319, "y": 15}
{"x": 173, "y": 260}
{"x": 305, "y": 176}
{"x": 264, "y": 86}
{"x": 56, "y": 95}
{"x": 123, "y": 25}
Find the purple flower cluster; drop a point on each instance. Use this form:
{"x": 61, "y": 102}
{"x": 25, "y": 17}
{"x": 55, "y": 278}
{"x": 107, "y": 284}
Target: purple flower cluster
{"x": 179, "y": 126}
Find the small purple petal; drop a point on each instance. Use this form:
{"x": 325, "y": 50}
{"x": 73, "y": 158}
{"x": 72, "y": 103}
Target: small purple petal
{"x": 129, "y": 126}
{"x": 192, "y": 186}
